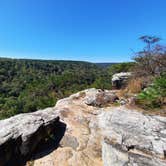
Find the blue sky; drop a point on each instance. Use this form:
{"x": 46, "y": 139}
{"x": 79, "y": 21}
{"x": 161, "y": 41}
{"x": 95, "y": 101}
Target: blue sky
{"x": 90, "y": 30}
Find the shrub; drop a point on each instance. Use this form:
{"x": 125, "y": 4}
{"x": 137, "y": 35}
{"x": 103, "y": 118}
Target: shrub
{"x": 151, "y": 61}
{"x": 135, "y": 85}
{"x": 154, "y": 95}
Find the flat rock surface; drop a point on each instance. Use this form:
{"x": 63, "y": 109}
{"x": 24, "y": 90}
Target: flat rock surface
{"x": 109, "y": 136}
{"x": 90, "y": 132}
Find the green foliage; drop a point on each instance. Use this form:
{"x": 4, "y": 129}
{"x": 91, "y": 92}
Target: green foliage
{"x": 29, "y": 85}
{"x": 102, "y": 83}
{"x": 121, "y": 67}
{"x": 154, "y": 95}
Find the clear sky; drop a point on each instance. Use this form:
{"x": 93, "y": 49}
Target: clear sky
{"x": 90, "y": 30}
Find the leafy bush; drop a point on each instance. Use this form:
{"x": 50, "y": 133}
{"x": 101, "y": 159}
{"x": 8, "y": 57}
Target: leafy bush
{"x": 103, "y": 82}
{"x": 154, "y": 95}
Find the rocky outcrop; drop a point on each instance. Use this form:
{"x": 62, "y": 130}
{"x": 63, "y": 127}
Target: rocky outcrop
{"x": 91, "y": 97}
{"x": 22, "y": 134}
{"x": 119, "y": 79}
{"x": 97, "y": 133}
{"x": 109, "y": 136}
{"x": 81, "y": 144}
{"x": 131, "y": 138}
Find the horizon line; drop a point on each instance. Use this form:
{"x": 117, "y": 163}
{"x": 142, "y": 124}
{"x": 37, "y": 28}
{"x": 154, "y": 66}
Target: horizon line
{"x": 44, "y": 59}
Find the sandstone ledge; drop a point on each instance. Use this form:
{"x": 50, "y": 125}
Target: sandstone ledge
{"x": 97, "y": 133}
{"x": 22, "y": 134}
{"x": 106, "y": 135}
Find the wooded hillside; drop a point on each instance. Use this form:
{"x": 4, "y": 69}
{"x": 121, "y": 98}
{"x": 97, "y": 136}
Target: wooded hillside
{"x": 29, "y": 85}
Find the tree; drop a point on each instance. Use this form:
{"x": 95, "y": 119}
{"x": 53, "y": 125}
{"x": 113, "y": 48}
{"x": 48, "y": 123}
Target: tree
{"x": 152, "y": 60}
{"x": 29, "y": 85}
{"x": 149, "y": 40}
{"x": 121, "y": 67}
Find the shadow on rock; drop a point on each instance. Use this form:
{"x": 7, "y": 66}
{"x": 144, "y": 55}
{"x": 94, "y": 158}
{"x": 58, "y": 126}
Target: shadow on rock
{"x": 46, "y": 146}
{"x": 51, "y": 143}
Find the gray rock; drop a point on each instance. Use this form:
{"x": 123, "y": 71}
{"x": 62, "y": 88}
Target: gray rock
{"x": 21, "y": 134}
{"x": 123, "y": 101}
{"x": 112, "y": 156}
{"x": 69, "y": 141}
{"x": 113, "y": 136}
{"x": 98, "y": 97}
{"x": 119, "y": 79}
{"x": 132, "y": 138}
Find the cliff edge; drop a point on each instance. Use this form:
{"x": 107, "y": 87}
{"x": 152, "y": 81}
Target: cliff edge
{"x": 99, "y": 133}
{"x": 89, "y": 130}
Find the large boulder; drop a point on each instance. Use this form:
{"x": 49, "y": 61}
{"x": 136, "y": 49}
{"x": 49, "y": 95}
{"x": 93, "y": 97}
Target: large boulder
{"x": 119, "y": 80}
{"x": 22, "y": 134}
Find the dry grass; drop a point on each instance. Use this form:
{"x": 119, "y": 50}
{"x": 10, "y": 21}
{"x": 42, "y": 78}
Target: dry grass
{"x": 122, "y": 93}
{"x": 135, "y": 85}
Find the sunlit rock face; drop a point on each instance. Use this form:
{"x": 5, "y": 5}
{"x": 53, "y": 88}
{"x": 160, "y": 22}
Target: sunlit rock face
{"x": 129, "y": 137}
{"x": 91, "y": 132}
{"x": 106, "y": 135}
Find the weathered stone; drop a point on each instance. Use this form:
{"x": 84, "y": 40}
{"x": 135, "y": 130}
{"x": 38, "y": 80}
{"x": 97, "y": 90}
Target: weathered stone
{"x": 95, "y": 136}
{"x": 112, "y": 156}
{"x": 119, "y": 79}
{"x": 99, "y": 97}
{"x": 109, "y": 136}
{"x": 81, "y": 137}
{"x": 20, "y": 135}
{"x": 133, "y": 134}
{"x": 69, "y": 141}
{"x": 123, "y": 101}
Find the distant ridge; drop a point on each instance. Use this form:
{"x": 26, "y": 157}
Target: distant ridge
{"x": 105, "y": 65}
{"x": 102, "y": 64}
{"x": 44, "y": 60}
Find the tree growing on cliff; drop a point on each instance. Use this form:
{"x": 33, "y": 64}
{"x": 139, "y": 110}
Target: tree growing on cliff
{"x": 151, "y": 61}
{"x": 151, "y": 69}
{"x": 149, "y": 40}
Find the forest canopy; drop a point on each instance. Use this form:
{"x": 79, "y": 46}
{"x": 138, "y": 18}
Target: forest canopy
{"x": 29, "y": 85}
